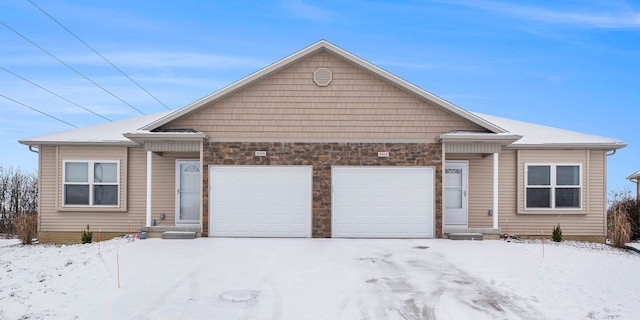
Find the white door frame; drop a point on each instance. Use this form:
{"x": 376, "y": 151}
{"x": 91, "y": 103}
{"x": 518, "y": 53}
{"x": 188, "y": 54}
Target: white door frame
{"x": 178, "y": 180}
{"x": 464, "y": 210}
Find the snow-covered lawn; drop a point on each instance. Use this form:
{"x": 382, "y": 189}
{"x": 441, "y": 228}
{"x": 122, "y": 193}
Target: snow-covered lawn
{"x": 318, "y": 279}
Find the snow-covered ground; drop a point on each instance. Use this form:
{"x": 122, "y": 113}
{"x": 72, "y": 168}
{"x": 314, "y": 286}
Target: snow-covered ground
{"x": 318, "y": 279}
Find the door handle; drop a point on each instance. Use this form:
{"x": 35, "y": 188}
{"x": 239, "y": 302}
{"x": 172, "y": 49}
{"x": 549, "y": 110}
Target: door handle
{"x": 178, "y": 191}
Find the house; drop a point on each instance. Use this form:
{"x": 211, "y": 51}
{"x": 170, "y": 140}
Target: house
{"x": 635, "y": 178}
{"x": 322, "y": 144}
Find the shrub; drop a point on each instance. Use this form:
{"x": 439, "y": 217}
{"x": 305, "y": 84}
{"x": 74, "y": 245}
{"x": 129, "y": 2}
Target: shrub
{"x": 87, "y": 236}
{"x": 557, "y": 234}
{"x": 27, "y": 227}
{"x": 621, "y": 229}
{"x": 623, "y": 203}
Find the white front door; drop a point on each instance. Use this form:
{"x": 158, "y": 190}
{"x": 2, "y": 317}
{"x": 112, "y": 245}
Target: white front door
{"x": 456, "y": 176}
{"x": 188, "y": 192}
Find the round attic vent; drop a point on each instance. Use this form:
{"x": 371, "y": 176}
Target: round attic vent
{"x": 322, "y": 77}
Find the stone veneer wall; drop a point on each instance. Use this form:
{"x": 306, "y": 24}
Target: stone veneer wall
{"x": 322, "y": 156}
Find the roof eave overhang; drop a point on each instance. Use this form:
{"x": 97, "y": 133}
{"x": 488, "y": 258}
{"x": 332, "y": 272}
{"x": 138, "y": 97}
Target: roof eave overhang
{"x": 77, "y": 143}
{"x": 503, "y": 139}
{"x": 141, "y": 137}
{"x": 634, "y": 177}
{"x": 592, "y": 146}
{"x": 312, "y": 48}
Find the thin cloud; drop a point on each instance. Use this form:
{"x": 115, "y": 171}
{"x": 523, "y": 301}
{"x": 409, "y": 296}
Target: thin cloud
{"x": 144, "y": 60}
{"x": 306, "y": 11}
{"x": 609, "y": 17}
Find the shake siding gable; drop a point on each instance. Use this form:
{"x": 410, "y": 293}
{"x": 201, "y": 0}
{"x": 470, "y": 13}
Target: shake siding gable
{"x": 357, "y": 105}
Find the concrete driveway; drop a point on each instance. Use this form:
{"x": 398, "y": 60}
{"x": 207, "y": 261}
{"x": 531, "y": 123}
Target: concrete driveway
{"x": 302, "y": 279}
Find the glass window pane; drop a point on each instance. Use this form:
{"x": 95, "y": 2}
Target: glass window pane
{"x": 538, "y": 197}
{"x": 539, "y": 175}
{"x": 105, "y": 195}
{"x": 76, "y": 194}
{"x": 453, "y": 198}
{"x": 453, "y": 177}
{"x": 568, "y": 175}
{"x": 76, "y": 172}
{"x": 105, "y": 172}
{"x": 567, "y": 197}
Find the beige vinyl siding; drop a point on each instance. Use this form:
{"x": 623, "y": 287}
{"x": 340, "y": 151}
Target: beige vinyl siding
{"x": 132, "y": 210}
{"x": 480, "y": 192}
{"x": 588, "y": 221}
{"x": 55, "y": 217}
{"x": 164, "y": 187}
{"x": 48, "y": 178}
{"x": 133, "y": 189}
{"x": 356, "y": 105}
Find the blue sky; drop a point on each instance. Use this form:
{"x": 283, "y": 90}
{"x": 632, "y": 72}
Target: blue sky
{"x": 568, "y": 64}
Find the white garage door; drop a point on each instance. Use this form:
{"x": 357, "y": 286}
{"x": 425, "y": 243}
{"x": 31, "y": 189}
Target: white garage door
{"x": 260, "y": 201}
{"x": 382, "y": 202}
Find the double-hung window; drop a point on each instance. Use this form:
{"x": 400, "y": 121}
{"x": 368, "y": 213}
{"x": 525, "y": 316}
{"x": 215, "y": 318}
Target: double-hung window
{"x": 91, "y": 183}
{"x": 553, "y": 186}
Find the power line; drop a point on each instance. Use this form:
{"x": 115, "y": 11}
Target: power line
{"x": 36, "y": 110}
{"x": 70, "y": 67}
{"x": 55, "y": 94}
{"x": 98, "y": 53}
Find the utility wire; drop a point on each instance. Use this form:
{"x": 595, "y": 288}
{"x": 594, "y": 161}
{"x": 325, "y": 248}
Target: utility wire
{"x": 70, "y": 67}
{"x": 55, "y": 94}
{"x": 36, "y": 110}
{"x": 98, "y": 53}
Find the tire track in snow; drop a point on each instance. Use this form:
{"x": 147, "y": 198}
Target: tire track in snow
{"x": 453, "y": 287}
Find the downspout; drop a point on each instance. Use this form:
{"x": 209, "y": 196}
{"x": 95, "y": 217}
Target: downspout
{"x": 495, "y": 190}
{"x": 611, "y": 152}
{"x": 31, "y": 149}
{"x": 149, "y": 186}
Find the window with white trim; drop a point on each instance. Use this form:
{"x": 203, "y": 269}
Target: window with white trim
{"x": 553, "y": 186}
{"x": 91, "y": 183}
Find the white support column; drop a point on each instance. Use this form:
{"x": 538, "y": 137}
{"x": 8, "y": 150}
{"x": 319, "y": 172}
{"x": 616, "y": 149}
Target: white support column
{"x": 149, "y": 188}
{"x": 495, "y": 190}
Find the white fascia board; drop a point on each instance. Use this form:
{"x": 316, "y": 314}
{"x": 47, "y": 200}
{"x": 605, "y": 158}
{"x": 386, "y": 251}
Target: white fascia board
{"x": 77, "y": 143}
{"x": 480, "y": 137}
{"x": 572, "y": 146}
{"x": 141, "y": 137}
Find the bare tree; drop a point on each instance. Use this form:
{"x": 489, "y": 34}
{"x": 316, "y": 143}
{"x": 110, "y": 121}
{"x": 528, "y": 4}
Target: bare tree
{"x": 18, "y": 196}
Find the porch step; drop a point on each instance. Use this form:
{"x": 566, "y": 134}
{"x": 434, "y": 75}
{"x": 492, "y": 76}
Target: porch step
{"x": 178, "y": 235}
{"x": 157, "y": 231}
{"x": 466, "y": 236}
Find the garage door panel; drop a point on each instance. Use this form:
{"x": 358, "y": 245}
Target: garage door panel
{"x": 382, "y": 202}
{"x": 260, "y": 201}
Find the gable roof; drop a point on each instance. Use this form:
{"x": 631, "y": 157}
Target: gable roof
{"x": 324, "y": 45}
{"x": 537, "y": 136}
{"x": 634, "y": 176}
{"x": 510, "y": 133}
{"x": 104, "y": 133}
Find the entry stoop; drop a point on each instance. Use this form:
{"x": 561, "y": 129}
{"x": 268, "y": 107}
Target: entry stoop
{"x": 466, "y": 236}
{"x": 159, "y": 231}
{"x": 178, "y": 235}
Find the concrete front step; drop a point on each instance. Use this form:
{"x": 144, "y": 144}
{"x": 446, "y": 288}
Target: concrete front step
{"x": 487, "y": 233}
{"x": 178, "y": 235}
{"x": 157, "y": 231}
{"x": 466, "y": 236}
